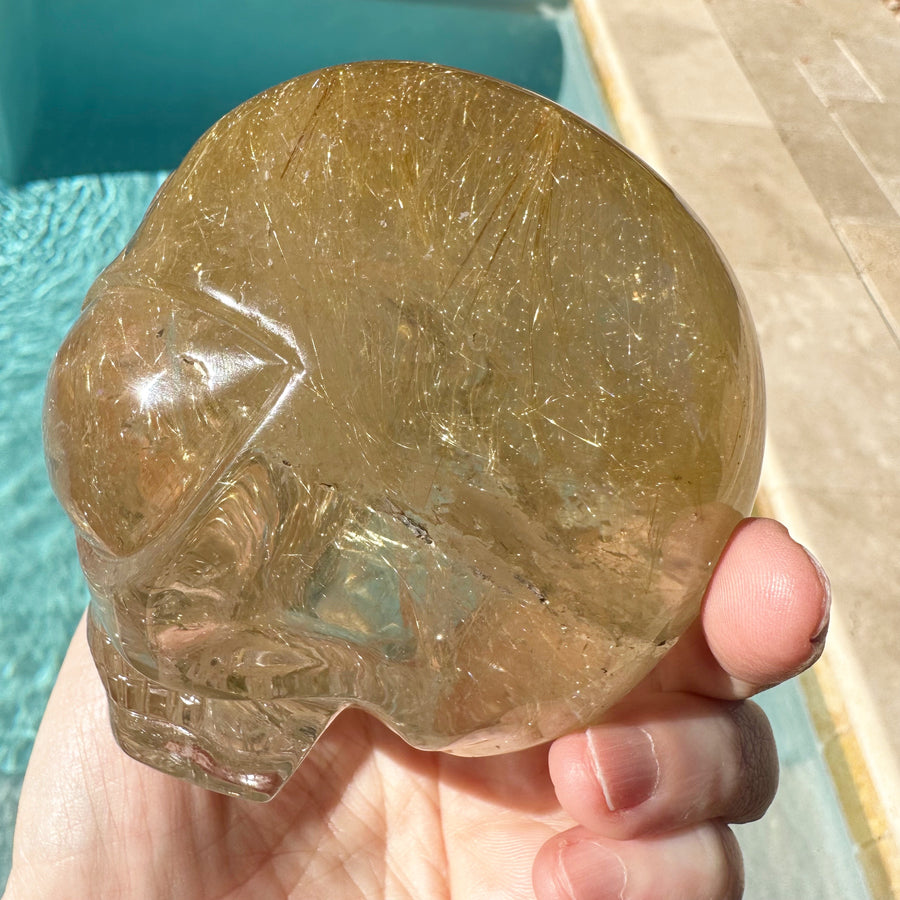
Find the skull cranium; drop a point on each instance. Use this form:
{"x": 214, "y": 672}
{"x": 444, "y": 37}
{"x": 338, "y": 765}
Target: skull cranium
{"x": 413, "y": 392}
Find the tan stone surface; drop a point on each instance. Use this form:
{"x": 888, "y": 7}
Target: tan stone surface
{"x": 875, "y": 249}
{"x": 879, "y": 56}
{"x": 784, "y": 92}
{"x": 875, "y": 131}
{"x": 835, "y": 75}
{"x": 769, "y": 27}
{"x": 828, "y": 355}
{"x": 668, "y": 78}
{"x": 839, "y": 180}
{"x": 739, "y": 190}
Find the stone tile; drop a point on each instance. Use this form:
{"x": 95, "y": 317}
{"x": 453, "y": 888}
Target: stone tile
{"x": 875, "y": 250}
{"x": 892, "y": 190}
{"x": 769, "y": 27}
{"x": 693, "y": 13}
{"x": 886, "y": 880}
{"x": 785, "y": 93}
{"x": 832, "y": 384}
{"x": 836, "y": 175}
{"x": 746, "y": 188}
{"x": 851, "y": 16}
{"x": 681, "y": 66}
{"x": 879, "y": 57}
{"x": 833, "y": 75}
{"x": 850, "y": 528}
{"x": 855, "y": 536}
{"x": 875, "y": 128}
{"x": 833, "y": 458}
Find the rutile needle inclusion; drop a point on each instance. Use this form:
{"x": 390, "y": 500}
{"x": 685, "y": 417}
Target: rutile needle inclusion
{"x": 413, "y": 392}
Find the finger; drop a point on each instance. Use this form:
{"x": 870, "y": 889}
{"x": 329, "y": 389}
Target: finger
{"x": 675, "y": 761}
{"x": 763, "y": 620}
{"x": 701, "y": 861}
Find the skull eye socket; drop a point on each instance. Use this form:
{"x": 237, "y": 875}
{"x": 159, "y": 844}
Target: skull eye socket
{"x": 133, "y": 431}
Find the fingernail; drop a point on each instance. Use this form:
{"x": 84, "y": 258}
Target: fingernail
{"x": 624, "y": 761}
{"x": 590, "y": 871}
{"x": 822, "y": 627}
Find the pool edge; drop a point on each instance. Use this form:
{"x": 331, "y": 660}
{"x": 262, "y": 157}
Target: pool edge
{"x": 852, "y": 741}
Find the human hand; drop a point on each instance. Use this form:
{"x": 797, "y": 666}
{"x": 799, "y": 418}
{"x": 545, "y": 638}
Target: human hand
{"x": 634, "y": 808}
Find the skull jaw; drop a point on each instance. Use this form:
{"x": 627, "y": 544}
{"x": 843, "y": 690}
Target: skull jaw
{"x": 242, "y": 748}
{"x": 250, "y": 748}
{"x": 527, "y": 674}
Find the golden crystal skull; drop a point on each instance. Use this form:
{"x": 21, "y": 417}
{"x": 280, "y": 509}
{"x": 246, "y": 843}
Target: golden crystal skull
{"x": 415, "y": 393}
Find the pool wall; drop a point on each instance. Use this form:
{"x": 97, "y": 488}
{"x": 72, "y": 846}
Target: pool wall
{"x": 18, "y": 84}
{"x": 107, "y": 87}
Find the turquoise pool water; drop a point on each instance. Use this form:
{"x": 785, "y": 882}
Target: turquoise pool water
{"x": 91, "y": 117}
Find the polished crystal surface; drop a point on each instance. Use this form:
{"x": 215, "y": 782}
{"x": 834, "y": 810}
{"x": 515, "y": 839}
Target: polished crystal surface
{"x": 415, "y": 393}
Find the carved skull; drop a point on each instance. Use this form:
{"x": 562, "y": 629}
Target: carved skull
{"x": 413, "y": 392}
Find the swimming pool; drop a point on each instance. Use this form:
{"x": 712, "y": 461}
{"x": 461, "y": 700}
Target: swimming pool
{"x": 97, "y": 101}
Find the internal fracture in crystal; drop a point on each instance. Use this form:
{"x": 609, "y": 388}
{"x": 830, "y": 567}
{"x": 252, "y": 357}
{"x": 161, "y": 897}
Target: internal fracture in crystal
{"x": 414, "y": 393}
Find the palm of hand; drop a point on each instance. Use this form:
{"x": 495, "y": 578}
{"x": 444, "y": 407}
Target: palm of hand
{"x": 364, "y": 816}
{"x": 367, "y": 816}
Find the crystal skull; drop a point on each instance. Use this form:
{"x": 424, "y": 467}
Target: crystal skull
{"x": 415, "y": 393}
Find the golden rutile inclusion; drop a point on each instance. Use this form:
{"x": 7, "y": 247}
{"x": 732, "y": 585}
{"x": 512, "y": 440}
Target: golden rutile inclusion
{"x": 413, "y": 392}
